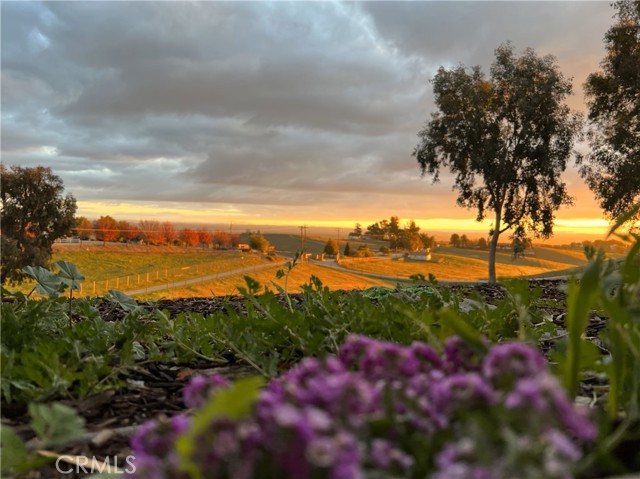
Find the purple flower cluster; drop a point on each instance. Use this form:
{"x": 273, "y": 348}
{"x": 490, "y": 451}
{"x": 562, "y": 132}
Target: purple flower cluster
{"x": 402, "y": 410}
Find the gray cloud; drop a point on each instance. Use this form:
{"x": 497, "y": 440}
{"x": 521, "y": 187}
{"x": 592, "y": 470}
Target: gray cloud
{"x": 270, "y": 107}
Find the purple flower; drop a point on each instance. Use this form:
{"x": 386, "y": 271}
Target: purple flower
{"x": 508, "y": 362}
{"x": 201, "y": 388}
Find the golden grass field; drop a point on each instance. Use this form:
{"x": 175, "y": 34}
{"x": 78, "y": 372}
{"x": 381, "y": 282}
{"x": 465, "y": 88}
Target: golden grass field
{"x": 459, "y": 267}
{"x": 129, "y": 268}
{"x": 300, "y": 275}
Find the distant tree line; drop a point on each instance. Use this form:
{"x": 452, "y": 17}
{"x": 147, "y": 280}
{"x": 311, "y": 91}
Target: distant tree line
{"x": 151, "y": 232}
{"x": 407, "y": 237}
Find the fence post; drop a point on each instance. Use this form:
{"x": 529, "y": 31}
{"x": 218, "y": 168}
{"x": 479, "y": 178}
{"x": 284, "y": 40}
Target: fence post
{"x": 117, "y": 283}
{"x": 157, "y": 275}
{"x": 127, "y": 281}
{"x": 94, "y": 288}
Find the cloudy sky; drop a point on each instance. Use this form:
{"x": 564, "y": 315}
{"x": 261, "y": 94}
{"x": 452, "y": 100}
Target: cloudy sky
{"x": 257, "y": 112}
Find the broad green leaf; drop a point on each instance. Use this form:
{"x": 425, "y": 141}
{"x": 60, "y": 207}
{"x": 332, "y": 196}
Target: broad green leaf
{"x": 13, "y": 452}
{"x": 69, "y": 274}
{"x": 126, "y": 302}
{"x": 56, "y": 424}
{"x": 46, "y": 282}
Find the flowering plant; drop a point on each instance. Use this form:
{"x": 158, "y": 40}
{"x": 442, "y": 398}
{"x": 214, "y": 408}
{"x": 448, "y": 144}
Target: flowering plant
{"x": 379, "y": 409}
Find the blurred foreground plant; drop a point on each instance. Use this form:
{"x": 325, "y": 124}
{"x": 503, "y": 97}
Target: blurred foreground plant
{"x": 375, "y": 410}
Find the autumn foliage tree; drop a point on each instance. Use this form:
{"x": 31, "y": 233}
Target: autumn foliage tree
{"x": 506, "y": 139}
{"x": 106, "y": 229}
{"x": 189, "y": 237}
{"x": 169, "y": 233}
{"x": 205, "y": 237}
{"x": 151, "y": 232}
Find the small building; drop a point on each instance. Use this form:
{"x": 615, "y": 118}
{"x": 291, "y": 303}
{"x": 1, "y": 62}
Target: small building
{"x": 422, "y": 255}
{"x": 244, "y": 247}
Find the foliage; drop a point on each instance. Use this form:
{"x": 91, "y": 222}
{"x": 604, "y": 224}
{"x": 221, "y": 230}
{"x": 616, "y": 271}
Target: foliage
{"x": 189, "y": 236}
{"x": 378, "y": 408}
{"x": 34, "y": 214}
{"x": 331, "y": 248}
{"x": 455, "y": 240}
{"x": 258, "y": 242}
{"x": 613, "y": 100}
{"x": 347, "y": 250}
{"x": 506, "y": 139}
{"x": 106, "y": 229}
{"x": 83, "y": 228}
{"x": 54, "y": 424}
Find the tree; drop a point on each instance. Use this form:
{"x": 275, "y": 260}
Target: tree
{"x": 357, "y": 231}
{"x": 221, "y": 239}
{"x": 151, "y": 232}
{"x": 612, "y": 167}
{"x": 464, "y": 241}
{"x": 189, "y": 237}
{"x": 169, "y": 233}
{"x": 409, "y": 238}
{"x": 258, "y": 242}
{"x": 35, "y": 212}
{"x": 106, "y": 229}
{"x": 482, "y": 243}
{"x": 205, "y": 236}
{"x": 347, "y": 250}
{"x": 428, "y": 242}
{"x": 128, "y": 232}
{"x": 455, "y": 240}
{"x": 83, "y": 228}
{"x": 331, "y": 248}
{"x": 506, "y": 139}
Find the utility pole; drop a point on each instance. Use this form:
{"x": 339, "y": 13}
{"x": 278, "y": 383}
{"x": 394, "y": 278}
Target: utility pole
{"x": 301, "y": 244}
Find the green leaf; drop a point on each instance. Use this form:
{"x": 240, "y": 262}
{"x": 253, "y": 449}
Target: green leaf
{"x": 13, "y": 452}
{"x": 579, "y": 301}
{"x": 56, "y": 424}
{"x": 46, "y": 282}
{"x": 124, "y": 301}
{"x": 69, "y": 274}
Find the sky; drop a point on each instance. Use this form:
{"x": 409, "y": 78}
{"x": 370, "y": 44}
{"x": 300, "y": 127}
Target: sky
{"x": 282, "y": 113}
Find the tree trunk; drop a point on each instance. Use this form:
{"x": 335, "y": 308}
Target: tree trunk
{"x": 493, "y": 246}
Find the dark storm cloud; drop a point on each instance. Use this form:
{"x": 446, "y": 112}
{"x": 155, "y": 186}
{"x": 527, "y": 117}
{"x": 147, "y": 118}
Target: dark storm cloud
{"x": 252, "y": 103}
